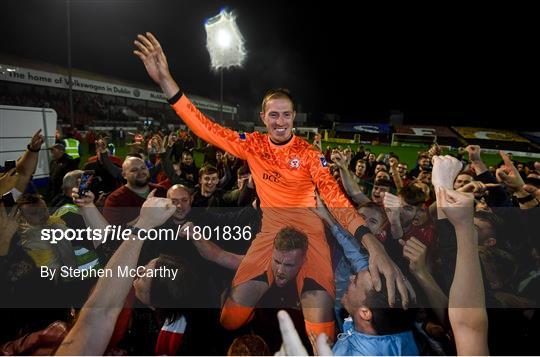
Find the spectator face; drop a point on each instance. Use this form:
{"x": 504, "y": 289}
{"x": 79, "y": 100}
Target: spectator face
{"x": 182, "y": 200}
{"x": 278, "y": 118}
{"x": 177, "y": 169}
{"x": 355, "y": 297}
{"x": 382, "y": 174}
{"x": 360, "y": 169}
{"x": 187, "y": 159}
{"x": 143, "y": 284}
{"x": 286, "y": 265}
{"x": 373, "y": 218}
{"x": 208, "y": 183}
{"x": 402, "y": 169}
{"x": 219, "y": 156}
{"x": 371, "y": 158}
{"x": 135, "y": 172}
{"x": 380, "y": 167}
{"x": 57, "y": 153}
{"x": 376, "y": 196}
{"x": 424, "y": 163}
{"x": 408, "y": 212}
{"x": 36, "y": 214}
{"x": 462, "y": 180}
{"x": 242, "y": 180}
{"x": 485, "y": 232}
{"x": 424, "y": 177}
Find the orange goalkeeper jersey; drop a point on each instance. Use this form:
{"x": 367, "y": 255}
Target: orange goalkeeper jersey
{"x": 285, "y": 175}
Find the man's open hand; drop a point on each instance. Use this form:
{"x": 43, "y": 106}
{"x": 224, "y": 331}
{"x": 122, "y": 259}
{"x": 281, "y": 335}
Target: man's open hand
{"x": 155, "y": 62}
{"x": 340, "y": 159}
{"x": 381, "y": 263}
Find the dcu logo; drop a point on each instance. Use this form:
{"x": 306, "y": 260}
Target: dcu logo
{"x": 272, "y": 176}
{"x": 294, "y": 163}
{"x": 324, "y": 163}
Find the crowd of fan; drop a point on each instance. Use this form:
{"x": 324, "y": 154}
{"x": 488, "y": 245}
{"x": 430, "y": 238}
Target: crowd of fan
{"x": 400, "y": 205}
{"x": 89, "y": 108}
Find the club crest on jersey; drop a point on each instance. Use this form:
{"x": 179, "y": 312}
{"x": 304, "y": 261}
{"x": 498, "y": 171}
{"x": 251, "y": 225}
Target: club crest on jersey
{"x": 294, "y": 163}
{"x": 324, "y": 163}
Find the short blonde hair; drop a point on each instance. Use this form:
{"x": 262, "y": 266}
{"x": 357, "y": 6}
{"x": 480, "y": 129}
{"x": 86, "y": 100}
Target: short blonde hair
{"x": 280, "y": 93}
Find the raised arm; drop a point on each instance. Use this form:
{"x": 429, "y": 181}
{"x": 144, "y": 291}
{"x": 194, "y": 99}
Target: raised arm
{"x": 467, "y": 306}
{"x": 27, "y": 163}
{"x": 475, "y": 158}
{"x": 91, "y": 333}
{"x": 351, "y": 187}
{"x": 155, "y": 62}
{"x": 91, "y": 215}
{"x": 103, "y": 157}
{"x": 395, "y": 174}
{"x": 392, "y": 207}
{"x": 353, "y": 251}
{"x": 415, "y": 251}
{"x": 378, "y": 261}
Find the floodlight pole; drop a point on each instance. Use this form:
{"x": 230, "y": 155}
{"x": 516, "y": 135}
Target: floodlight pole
{"x": 221, "y": 96}
{"x": 68, "y": 32}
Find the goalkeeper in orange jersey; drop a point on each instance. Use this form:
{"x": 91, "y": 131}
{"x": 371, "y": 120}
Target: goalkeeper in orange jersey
{"x": 286, "y": 170}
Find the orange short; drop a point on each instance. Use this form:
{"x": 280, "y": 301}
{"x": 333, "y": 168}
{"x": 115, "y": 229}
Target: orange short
{"x": 258, "y": 259}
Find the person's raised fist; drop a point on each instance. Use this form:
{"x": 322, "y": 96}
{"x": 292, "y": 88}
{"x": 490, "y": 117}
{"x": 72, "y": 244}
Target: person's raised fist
{"x": 445, "y": 170}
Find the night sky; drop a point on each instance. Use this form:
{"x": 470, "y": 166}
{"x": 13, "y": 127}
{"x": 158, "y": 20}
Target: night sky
{"x": 444, "y": 65}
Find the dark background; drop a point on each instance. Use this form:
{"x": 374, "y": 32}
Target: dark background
{"x": 446, "y": 65}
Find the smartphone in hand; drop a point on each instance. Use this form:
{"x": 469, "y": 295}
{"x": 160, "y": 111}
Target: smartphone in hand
{"x": 86, "y": 181}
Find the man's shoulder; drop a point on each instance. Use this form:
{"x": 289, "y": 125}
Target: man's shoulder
{"x": 300, "y": 144}
{"x": 255, "y": 136}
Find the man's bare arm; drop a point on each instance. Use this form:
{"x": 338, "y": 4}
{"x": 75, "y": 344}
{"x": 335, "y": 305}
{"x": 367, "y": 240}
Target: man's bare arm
{"x": 27, "y": 163}
{"x": 91, "y": 333}
{"x": 467, "y": 307}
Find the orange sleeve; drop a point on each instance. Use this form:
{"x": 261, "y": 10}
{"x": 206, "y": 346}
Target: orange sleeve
{"x": 331, "y": 193}
{"x": 213, "y": 133}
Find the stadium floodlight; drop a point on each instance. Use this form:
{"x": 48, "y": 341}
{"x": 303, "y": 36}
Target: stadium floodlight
{"x": 225, "y": 45}
{"x": 224, "y": 41}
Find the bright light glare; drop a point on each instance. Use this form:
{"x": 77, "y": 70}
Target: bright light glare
{"x": 224, "y": 41}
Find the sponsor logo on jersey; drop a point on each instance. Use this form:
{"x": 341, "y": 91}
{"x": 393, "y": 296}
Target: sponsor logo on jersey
{"x": 272, "y": 176}
{"x": 324, "y": 163}
{"x": 242, "y": 136}
{"x": 294, "y": 163}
